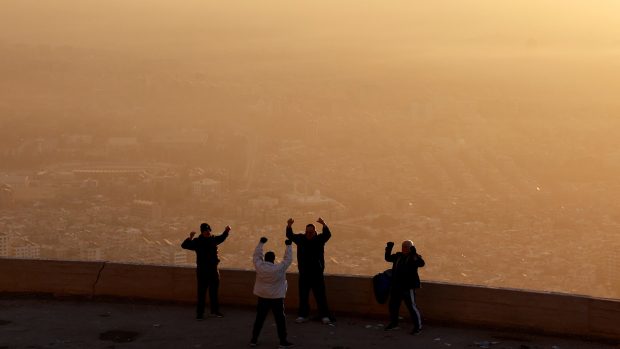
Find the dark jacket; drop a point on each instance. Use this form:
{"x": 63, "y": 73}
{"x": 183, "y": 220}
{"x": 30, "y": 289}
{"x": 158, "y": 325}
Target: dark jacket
{"x": 404, "y": 268}
{"x": 205, "y": 248}
{"x": 310, "y": 252}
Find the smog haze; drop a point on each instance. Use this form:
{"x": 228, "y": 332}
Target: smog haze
{"x": 487, "y": 132}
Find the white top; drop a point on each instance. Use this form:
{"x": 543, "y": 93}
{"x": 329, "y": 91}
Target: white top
{"x": 271, "y": 277}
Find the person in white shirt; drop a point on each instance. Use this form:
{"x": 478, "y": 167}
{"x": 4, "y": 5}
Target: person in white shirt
{"x": 270, "y": 287}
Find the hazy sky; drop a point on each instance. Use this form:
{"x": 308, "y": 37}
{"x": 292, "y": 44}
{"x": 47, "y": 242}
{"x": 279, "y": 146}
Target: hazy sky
{"x": 140, "y": 23}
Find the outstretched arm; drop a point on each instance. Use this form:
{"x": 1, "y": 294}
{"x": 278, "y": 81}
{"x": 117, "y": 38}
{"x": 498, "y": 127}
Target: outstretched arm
{"x": 389, "y": 257}
{"x": 288, "y": 255}
{"x": 257, "y": 257}
{"x": 189, "y": 243}
{"x": 222, "y": 237}
{"x": 326, "y": 233}
{"x": 289, "y": 230}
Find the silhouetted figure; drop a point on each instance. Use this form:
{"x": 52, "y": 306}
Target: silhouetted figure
{"x": 270, "y": 287}
{"x": 405, "y": 280}
{"x": 311, "y": 264}
{"x": 207, "y": 274}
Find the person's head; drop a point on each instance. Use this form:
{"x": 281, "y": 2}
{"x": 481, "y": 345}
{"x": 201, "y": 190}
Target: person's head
{"x": 408, "y": 247}
{"x": 270, "y": 257}
{"x": 205, "y": 229}
{"x": 310, "y": 231}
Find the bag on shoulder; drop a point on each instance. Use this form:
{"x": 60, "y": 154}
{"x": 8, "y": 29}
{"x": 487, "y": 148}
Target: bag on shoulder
{"x": 381, "y": 285}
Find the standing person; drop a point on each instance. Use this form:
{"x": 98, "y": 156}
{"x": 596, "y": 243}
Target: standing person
{"x": 270, "y": 287}
{"x": 207, "y": 274}
{"x": 311, "y": 265}
{"x": 405, "y": 280}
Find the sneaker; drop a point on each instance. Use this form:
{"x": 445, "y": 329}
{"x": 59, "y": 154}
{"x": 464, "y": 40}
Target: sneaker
{"x": 391, "y": 327}
{"x": 217, "y": 314}
{"x": 416, "y": 331}
{"x": 285, "y": 344}
{"x": 301, "y": 320}
{"x": 326, "y": 321}
{"x": 253, "y": 344}
{"x": 200, "y": 317}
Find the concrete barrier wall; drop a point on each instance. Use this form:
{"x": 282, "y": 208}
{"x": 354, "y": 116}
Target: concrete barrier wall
{"x": 439, "y": 302}
{"x": 54, "y": 277}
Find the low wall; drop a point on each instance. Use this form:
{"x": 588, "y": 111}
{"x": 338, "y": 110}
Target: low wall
{"x": 439, "y": 302}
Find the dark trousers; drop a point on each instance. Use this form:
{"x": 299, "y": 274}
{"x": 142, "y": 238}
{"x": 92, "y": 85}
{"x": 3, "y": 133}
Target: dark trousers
{"x": 316, "y": 283}
{"x": 262, "y": 309}
{"x": 398, "y": 294}
{"x": 207, "y": 278}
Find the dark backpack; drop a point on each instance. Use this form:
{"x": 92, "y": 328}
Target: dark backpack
{"x": 381, "y": 285}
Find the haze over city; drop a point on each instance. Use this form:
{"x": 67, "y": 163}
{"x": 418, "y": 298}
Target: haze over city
{"x": 486, "y": 132}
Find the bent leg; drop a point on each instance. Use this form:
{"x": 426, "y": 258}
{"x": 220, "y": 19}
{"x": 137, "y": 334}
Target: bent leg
{"x": 416, "y": 317}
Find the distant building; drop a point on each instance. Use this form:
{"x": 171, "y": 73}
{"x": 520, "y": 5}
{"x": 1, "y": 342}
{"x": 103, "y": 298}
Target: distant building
{"x": 91, "y": 252}
{"x": 122, "y": 142}
{"x": 146, "y": 209}
{"x": 263, "y": 202}
{"x": 24, "y": 249}
{"x": 109, "y": 174}
{"x": 315, "y": 202}
{"x": 172, "y": 254}
{"x": 206, "y": 187}
{"x": 6, "y": 195}
{"x": 16, "y": 182}
{"x": 79, "y": 140}
{"x": 4, "y": 245}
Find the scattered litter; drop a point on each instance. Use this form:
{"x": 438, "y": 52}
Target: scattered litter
{"x": 447, "y": 344}
{"x": 368, "y": 326}
{"x": 485, "y": 344}
{"x": 555, "y": 347}
{"x": 437, "y": 339}
{"x": 156, "y": 325}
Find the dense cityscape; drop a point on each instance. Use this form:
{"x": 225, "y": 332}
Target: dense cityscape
{"x": 91, "y": 200}
{"x": 503, "y": 171}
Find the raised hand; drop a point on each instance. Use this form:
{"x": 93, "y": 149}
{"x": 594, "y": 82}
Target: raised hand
{"x": 227, "y": 229}
{"x": 290, "y": 221}
{"x": 288, "y": 242}
{"x": 320, "y": 221}
{"x": 390, "y": 244}
{"x": 191, "y": 235}
{"x": 263, "y": 240}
